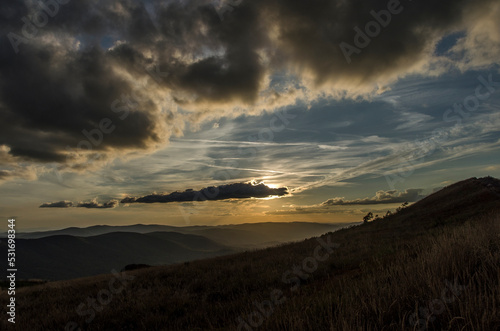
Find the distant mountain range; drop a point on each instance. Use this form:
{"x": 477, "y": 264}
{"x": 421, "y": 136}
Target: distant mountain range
{"x": 78, "y": 252}
{"x": 64, "y": 257}
{"x": 248, "y": 235}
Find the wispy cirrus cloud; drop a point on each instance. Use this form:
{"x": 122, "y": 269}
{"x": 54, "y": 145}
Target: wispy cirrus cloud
{"x": 143, "y": 62}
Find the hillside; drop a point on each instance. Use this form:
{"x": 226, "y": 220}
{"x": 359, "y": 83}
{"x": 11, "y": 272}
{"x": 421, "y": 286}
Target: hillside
{"x": 79, "y": 252}
{"x": 451, "y": 205}
{"x": 434, "y": 265}
{"x": 65, "y": 257}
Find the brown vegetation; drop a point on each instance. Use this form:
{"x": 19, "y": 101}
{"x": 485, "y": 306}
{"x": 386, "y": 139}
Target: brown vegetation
{"x": 421, "y": 268}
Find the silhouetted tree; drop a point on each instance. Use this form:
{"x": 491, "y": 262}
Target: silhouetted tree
{"x": 389, "y": 213}
{"x": 368, "y": 217}
{"x": 403, "y": 206}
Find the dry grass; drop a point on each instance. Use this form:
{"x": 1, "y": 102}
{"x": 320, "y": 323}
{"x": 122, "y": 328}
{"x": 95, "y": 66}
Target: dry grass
{"x": 375, "y": 280}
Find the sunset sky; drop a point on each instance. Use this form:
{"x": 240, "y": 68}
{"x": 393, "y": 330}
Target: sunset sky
{"x": 294, "y": 110}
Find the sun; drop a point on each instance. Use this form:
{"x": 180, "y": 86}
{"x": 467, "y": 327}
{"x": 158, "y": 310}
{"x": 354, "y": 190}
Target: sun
{"x": 265, "y": 182}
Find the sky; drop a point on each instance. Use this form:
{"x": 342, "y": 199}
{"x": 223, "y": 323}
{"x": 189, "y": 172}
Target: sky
{"x": 226, "y": 112}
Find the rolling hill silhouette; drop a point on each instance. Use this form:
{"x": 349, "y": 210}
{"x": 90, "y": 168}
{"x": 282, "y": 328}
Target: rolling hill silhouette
{"x": 64, "y": 257}
{"x": 79, "y": 252}
{"x": 248, "y": 235}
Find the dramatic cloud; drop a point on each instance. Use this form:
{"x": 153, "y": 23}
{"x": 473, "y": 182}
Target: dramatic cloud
{"x": 82, "y": 83}
{"x": 223, "y": 192}
{"x": 93, "y": 204}
{"x": 333, "y": 205}
{"x": 60, "y": 204}
{"x": 381, "y": 197}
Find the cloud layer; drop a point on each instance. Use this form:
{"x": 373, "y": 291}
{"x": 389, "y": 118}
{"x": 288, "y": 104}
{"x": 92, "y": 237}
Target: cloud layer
{"x": 59, "y": 204}
{"x": 381, "y": 197}
{"x": 223, "y": 192}
{"x": 93, "y": 204}
{"x": 333, "y": 205}
{"x": 82, "y": 83}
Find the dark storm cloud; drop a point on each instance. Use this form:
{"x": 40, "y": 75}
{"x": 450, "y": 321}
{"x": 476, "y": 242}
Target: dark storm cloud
{"x": 223, "y": 192}
{"x": 60, "y": 204}
{"x": 58, "y": 99}
{"x": 65, "y": 105}
{"x": 84, "y": 75}
{"x": 381, "y": 197}
{"x": 95, "y": 205}
{"x": 89, "y": 205}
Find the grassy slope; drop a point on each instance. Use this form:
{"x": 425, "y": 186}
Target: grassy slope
{"x": 383, "y": 276}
